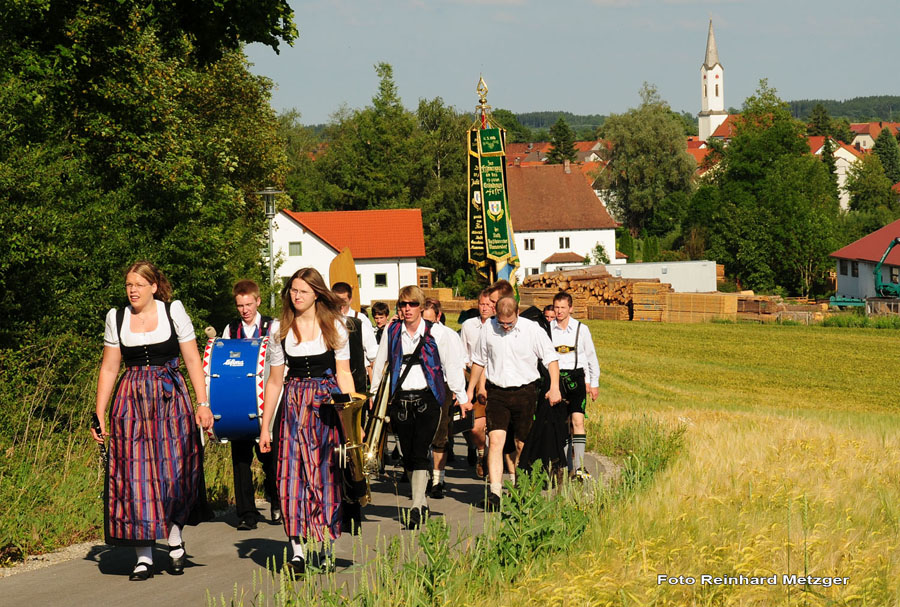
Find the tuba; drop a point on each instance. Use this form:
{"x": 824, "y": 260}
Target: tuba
{"x": 349, "y": 408}
{"x": 375, "y": 434}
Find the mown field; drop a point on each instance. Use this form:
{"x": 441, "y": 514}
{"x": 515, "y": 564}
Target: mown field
{"x": 791, "y": 465}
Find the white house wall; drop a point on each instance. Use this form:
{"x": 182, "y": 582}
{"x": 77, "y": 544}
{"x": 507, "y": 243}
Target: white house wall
{"x": 684, "y": 276}
{"x": 861, "y": 286}
{"x": 546, "y": 243}
{"x": 399, "y": 273}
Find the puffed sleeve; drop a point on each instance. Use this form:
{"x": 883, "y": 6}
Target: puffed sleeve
{"x": 111, "y": 333}
{"x": 343, "y": 352}
{"x": 274, "y": 351}
{"x": 184, "y": 328}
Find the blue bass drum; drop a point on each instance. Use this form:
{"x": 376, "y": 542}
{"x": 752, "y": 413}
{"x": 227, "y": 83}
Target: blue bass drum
{"x": 236, "y": 373}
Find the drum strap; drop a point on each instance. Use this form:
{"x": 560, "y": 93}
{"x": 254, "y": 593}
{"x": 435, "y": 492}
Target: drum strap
{"x": 236, "y": 327}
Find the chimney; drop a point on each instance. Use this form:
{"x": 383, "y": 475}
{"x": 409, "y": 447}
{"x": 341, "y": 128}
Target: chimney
{"x": 517, "y": 161}
{"x": 566, "y": 165}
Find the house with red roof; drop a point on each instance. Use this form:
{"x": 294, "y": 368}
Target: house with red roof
{"x": 856, "y": 262}
{"x": 557, "y": 218}
{"x": 385, "y": 245}
{"x": 844, "y": 156}
{"x": 865, "y": 133}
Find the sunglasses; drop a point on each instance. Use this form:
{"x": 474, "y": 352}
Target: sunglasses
{"x": 405, "y": 304}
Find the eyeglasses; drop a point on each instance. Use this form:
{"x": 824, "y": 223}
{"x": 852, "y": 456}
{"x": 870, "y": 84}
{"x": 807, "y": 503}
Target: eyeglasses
{"x": 133, "y": 285}
{"x": 297, "y": 293}
{"x": 507, "y": 325}
{"x": 410, "y": 304}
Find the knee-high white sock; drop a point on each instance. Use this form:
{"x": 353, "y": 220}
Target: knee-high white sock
{"x": 175, "y": 540}
{"x": 419, "y": 482}
{"x": 298, "y": 548}
{"x": 579, "y": 441}
{"x": 497, "y": 488}
{"x": 144, "y": 556}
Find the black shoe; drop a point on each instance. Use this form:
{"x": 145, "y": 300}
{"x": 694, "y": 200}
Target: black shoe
{"x": 450, "y": 457}
{"x": 176, "y": 565}
{"x": 296, "y": 566}
{"x": 143, "y": 574}
{"x": 491, "y": 503}
{"x": 395, "y": 454}
{"x": 404, "y": 478}
{"x": 437, "y": 492}
{"x": 277, "y": 517}
{"x": 472, "y": 457}
{"x": 417, "y": 517}
{"x": 247, "y": 523}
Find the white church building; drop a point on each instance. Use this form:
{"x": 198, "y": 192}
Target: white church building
{"x": 712, "y": 83}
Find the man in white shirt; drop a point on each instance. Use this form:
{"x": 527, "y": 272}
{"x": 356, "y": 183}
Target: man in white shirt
{"x": 579, "y": 372}
{"x": 369, "y": 343}
{"x": 469, "y": 333}
{"x": 251, "y": 324}
{"x": 421, "y": 357}
{"x": 507, "y": 353}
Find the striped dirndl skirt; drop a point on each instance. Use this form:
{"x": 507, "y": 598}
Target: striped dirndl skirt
{"x": 155, "y": 468}
{"x": 309, "y": 479}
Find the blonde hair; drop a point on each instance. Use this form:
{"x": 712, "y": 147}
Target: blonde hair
{"x": 328, "y": 308}
{"x": 411, "y": 293}
{"x": 154, "y": 276}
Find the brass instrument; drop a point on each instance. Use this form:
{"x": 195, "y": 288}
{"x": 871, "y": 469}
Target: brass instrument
{"x": 375, "y": 434}
{"x": 350, "y": 408}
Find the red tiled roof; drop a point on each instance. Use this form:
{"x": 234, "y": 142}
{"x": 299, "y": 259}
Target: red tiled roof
{"x": 699, "y": 154}
{"x": 589, "y": 170}
{"x": 896, "y": 187}
{"x": 565, "y": 257}
{"x": 523, "y": 149}
{"x": 726, "y": 129}
{"x": 817, "y": 142}
{"x": 873, "y": 129}
{"x": 547, "y": 198}
{"x": 694, "y": 142}
{"x": 851, "y": 149}
{"x": 621, "y": 255}
{"x": 381, "y": 234}
{"x": 872, "y": 247}
{"x": 587, "y": 146}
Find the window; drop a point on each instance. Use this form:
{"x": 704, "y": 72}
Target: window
{"x": 534, "y": 270}
{"x": 381, "y": 280}
{"x": 295, "y": 249}
{"x": 704, "y": 90}
{"x": 854, "y": 269}
{"x": 717, "y": 90}
{"x": 529, "y": 244}
{"x": 895, "y": 275}
{"x": 563, "y": 242}
{"x": 424, "y": 281}
{"x": 843, "y": 266}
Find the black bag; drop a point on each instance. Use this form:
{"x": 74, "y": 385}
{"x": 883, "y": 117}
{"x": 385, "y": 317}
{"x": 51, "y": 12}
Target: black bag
{"x": 458, "y": 423}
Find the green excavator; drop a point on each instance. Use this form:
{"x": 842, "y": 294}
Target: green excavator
{"x": 886, "y": 289}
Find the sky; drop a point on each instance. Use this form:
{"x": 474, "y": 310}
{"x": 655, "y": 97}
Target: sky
{"x": 581, "y": 56}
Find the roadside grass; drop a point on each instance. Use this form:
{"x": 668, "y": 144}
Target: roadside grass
{"x": 791, "y": 466}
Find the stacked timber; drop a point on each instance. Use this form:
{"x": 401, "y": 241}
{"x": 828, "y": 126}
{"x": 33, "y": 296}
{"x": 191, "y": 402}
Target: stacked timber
{"x": 607, "y": 312}
{"x": 589, "y": 287}
{"x": 649, "y": 301}
{"x": 756, "y": 308}
{"x": 701, "y": 307}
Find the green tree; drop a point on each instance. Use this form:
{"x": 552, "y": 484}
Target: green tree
{"x": 598, "y": 255}
{"x": 562, "y": 143}
{"x": 516, "y": 132}
{"x": 830, "y": 163}
{"x": 650, "y": 251}
{"x": 625, "y": 243}
{"x": 769, "y": 212}
{"x": 819, "y": 121}
{"x": 647, "y": 159}
{"x": 868, "y": 186}
{"x": 888, "y": 153}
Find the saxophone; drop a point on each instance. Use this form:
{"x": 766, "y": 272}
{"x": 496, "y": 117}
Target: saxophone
{"x": 375, "y": 434}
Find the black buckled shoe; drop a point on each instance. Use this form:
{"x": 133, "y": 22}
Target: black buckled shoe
{"x": 277, "y": 516}
{"x": 437, "y": 492}
{"x": 296, "y": 566}
{"x": 491, "y": 503}
{"x": 139, "y": 575}
{"x": 176, "y": 564}
{"x": 247, "y": 523}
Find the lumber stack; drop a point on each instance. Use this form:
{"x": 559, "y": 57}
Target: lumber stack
{"x": 608, "y": 312}
{"x": 700, "y": 307}
{"x": 588, "y": 287}
{"x": 649, "y": 301}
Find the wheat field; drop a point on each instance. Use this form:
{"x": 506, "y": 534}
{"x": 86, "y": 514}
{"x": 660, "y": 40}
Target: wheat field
{"x": 791, "y": 467}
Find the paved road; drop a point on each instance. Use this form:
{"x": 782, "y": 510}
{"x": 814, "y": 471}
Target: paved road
{"x": 221, "y": 557}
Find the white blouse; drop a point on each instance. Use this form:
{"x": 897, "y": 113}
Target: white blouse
{"x": 184, "y": 328}
{"x": 276, "y": 355}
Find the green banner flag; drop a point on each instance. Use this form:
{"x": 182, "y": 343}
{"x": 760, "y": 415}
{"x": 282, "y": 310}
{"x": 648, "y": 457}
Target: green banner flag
{"x": 477, "y": 251}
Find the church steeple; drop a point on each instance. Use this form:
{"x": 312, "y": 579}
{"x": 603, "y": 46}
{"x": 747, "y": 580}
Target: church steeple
{"x": 712, "y": 83}
{"x": 712, "y": 53}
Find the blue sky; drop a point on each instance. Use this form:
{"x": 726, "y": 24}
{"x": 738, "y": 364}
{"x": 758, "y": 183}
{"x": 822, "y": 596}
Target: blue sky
{"x": 583, "y": 56}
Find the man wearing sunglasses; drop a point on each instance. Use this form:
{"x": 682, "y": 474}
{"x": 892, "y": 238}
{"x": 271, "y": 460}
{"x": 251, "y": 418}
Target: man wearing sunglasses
{"x": 421, "y": 357}
{"x": 507, "y": 353}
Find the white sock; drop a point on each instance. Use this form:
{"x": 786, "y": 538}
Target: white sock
{"x": 419, "y": 481}
{"x": 512, "y": 478}
{"x": 298, "y": 548}
{"x": 579, "y": 442}
{"x": 496, "y": 488}
{"x": 437, "y": 476}
{"x": 175, "y": 540}
{"x": 144, "y": 557}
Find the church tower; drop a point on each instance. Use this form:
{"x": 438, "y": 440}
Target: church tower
{"x": 712, "y": 91}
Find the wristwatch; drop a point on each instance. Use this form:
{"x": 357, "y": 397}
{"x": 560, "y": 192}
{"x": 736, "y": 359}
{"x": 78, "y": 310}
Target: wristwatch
{"x": 203, "y": 404}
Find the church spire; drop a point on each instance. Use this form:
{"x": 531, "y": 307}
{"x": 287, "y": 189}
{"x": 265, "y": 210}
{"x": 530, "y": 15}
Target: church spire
{"x": 712, "y": 53}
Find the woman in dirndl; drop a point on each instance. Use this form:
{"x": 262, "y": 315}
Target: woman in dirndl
{"x": 312, "y": 340}
{"x": 154, "y": 483}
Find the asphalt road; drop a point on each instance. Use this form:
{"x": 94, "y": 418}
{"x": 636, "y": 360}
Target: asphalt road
{"x": 223, "y": 561}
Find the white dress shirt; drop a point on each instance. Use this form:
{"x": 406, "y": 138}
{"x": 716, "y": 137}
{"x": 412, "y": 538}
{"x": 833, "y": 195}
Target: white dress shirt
{"x": 587, "y": 355}
{"x": 370, "y": 344}
{"x": 510, "y": 357}
{"x": 276, "y": 353}
{"x": 449, "y": 349}
{"x": 468, "y": 334}
{"x": 184, "y": 328}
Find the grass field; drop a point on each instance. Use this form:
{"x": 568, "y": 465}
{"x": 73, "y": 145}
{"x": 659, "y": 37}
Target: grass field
{"x": 791, "y": 465}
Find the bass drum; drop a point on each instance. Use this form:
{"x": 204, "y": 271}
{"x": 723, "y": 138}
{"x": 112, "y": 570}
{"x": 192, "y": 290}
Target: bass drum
{"x": 236, "y": 372}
